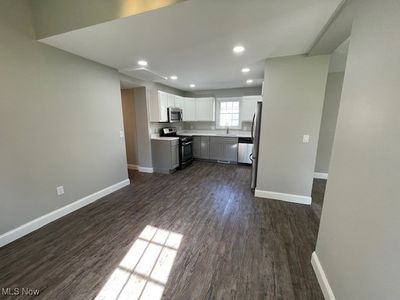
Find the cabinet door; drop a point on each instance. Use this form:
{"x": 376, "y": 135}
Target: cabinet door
{"x": 225, "y": 149}
{"x": 205, "y": 109}
{"x": 189, "y": 109}
{"x": 197, "y": 147}
{"x": 163, "y": 105}
{"x": 171, "y": 100}
{"x": 231, "y": 152}
{"x": 179, "y": 102}
{"x": 216, "y": 151}
{"x": 248, "y": 107}
{"x": 205, "y": 147}
{"x": 174, "y": 156}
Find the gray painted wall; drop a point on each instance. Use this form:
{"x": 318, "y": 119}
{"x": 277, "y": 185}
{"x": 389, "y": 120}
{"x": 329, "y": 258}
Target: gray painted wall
{"x": 164, "y": 88}
{"x": 142, "y": 128}
{"x": 60, "y": 118}
{"x": 359, "y": 241}
{"x": 294, "y": 90}
{"x": 129, "y": 113}
{"x": 328, "y": 122}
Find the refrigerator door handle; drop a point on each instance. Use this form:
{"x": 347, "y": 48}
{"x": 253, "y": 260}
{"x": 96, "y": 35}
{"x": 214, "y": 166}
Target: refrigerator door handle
{"x": 252, "y": 127}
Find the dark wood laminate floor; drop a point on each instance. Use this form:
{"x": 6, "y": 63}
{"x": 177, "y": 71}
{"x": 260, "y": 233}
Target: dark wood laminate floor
{"x": 234, "y": 246}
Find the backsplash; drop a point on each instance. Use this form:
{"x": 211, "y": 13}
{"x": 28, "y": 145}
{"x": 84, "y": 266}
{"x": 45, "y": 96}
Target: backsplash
{"x": 155, "y": 127}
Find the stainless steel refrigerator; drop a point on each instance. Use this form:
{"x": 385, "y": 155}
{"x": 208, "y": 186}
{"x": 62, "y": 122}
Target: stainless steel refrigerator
{"x": 255, "y": 135}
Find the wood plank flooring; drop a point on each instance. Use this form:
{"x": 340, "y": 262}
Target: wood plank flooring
{"x": 234, "y": 246}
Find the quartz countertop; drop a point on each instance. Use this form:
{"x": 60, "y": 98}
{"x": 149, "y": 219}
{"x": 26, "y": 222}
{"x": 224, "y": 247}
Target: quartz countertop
{"x": 164, "y": 138}
{"x": 221, "y": 133}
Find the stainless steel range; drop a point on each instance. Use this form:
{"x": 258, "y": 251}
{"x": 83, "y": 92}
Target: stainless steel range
{"x": 185, "y": 146}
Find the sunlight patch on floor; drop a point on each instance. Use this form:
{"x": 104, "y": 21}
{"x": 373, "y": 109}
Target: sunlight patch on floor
{"x": 144, "y": 271}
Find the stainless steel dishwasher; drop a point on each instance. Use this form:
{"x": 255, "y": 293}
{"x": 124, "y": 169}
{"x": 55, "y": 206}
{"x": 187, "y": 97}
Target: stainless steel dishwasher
{"x": 245, "y": 150}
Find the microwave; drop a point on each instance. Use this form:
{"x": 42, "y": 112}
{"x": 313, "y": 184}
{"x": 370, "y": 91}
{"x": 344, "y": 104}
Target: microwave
{"x": 174, "y": 114}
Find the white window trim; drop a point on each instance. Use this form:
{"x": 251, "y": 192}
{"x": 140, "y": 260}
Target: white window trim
{"x": 217, "y": 110}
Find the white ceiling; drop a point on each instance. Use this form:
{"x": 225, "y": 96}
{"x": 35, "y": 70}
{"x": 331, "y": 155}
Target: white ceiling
{"x": 128, "y": 84}
{"x": 339, "y": 29}
{"x": 194, "y": 39}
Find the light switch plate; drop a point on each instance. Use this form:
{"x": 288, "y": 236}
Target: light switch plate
{"x": 60, "y": 190}
{"x": 306, "y": 138}
{"x": 121, "y": 134}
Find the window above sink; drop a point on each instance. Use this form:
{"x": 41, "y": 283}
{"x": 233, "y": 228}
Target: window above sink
{"x": 228, "y": 113}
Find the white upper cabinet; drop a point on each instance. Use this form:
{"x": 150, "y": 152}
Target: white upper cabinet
{"x": 194, "y": 109}
{"x": 205, "y": 109}
{"x": 171, "y": 100}
{"x": 179, "y": 102}
{"x": 163, "y": 100}
{"x": 248, "y": 107}
{"x": 158, "y": 104}
{"x": 189, "y": 109}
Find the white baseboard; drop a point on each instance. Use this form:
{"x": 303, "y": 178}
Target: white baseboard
{"x": 321, "y": 175}
{"x": 283, "y": 197}
{"x": 145, "y": 170}
{"x": 140, "y": 169}
{"x": 35, "y": 224}
{"x": 322, "y": 279}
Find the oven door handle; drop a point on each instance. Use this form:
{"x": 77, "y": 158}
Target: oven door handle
{"x": 187, "y": 143}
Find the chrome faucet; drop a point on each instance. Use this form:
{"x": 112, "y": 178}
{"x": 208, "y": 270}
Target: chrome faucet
{"x": 227, "y": 130}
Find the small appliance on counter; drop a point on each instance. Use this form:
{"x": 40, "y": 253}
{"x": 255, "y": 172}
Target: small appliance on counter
{"x": 185, "y": 146}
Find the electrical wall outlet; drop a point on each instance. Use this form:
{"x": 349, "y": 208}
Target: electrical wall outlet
{"x": 121, "y": 134}
{"x": 306, "y": 138}
{"x": 60, "y": 190}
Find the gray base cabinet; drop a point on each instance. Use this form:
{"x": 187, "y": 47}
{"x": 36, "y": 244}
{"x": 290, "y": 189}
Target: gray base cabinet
{"x": 224, "y": 149}
{"x": 165, "y": 154}
{"x": 196, "y": 146}
{"x": 201, "y": 147}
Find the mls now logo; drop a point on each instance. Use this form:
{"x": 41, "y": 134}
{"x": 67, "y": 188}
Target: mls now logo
{"x": 18, "y": 292}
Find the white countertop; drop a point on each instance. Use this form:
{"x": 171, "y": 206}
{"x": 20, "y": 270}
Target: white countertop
{"x": 221, "y": 133}
{"x": 164, "y": 138}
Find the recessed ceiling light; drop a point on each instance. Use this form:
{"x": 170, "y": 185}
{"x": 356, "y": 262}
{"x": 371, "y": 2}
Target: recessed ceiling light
{"x": 174, "y": 77}
{"x": 142, "y": 63}
{"x": 248, "y": 81}
{"x": 245, "y": 70}
{"x": 238, "y": 49}
{"x": 192, "y": 85}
